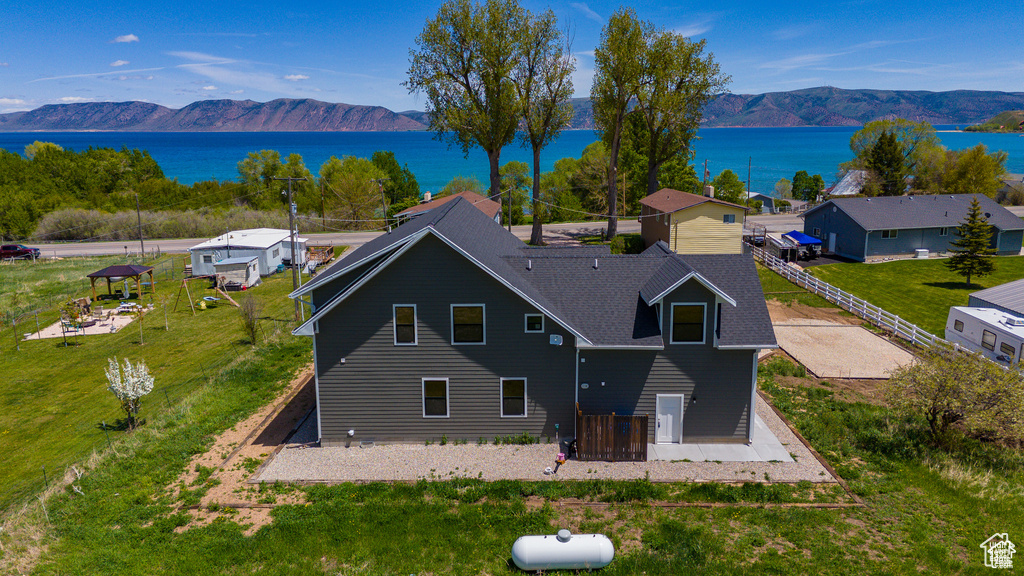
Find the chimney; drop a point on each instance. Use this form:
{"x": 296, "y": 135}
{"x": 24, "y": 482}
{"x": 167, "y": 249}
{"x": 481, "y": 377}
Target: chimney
{"x": 426, "y": 198}
{"x": 709, "y": 191}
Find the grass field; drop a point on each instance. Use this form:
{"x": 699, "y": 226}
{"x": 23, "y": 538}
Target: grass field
{"x": 55, "y": 397}
{"x": 919, "y": 291}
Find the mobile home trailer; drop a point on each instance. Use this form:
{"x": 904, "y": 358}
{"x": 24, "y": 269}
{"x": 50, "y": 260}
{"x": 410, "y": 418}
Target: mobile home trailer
{"x": 270, "y": 246}
{"x": 994, "y": 333}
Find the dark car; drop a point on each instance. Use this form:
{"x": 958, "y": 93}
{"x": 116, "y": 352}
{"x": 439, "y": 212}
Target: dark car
{"x": 18, "y": 251}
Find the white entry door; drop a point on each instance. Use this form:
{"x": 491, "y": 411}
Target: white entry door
{"x": 831, "y": 242}
{"x": 670, "y": 419}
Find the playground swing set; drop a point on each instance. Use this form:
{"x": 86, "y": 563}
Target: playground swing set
{"x": 184, "y": 286}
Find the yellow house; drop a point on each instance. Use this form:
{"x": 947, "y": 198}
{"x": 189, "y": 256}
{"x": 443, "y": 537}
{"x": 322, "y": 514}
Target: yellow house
{"x": 692, "y": 224}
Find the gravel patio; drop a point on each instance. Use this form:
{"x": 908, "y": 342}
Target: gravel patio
{"x": 302, "y": 461}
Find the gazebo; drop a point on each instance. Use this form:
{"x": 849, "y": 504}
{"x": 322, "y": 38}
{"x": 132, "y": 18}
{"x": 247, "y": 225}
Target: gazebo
{"x": 122, "y": 271}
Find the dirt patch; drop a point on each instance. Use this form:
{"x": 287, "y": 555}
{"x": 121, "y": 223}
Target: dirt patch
{"x": 783, "y": 312}
{"x": 222, "y": 473}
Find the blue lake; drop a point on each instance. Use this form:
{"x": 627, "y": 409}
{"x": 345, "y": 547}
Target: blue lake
{"x": 773, "y": 153}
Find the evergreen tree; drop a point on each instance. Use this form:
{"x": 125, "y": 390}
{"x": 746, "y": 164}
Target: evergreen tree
{"x": 972, "y": 255}
{"x": 886, "y": 163}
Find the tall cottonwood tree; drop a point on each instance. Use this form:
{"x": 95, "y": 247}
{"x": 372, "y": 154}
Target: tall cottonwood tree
{"x": 464, "y": 62}
{"x": 544, "y": 80}
{"x": 619, "y": 69}
{"x": 679, "y": 79}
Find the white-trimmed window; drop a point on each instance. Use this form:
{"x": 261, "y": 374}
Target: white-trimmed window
{"x": 958, "y": 325}
{"x": 405, "y": 324}
{"x": 688, "y": 323}
{"x": 435, "y": 397}
{"x": 513, "y": 397}
{"x": 728, "y": 218}
{"x": 468, "y": 324}
{"x": 889, "y": 234}
{"x": 988, "y": 340}
{"x": 943, "y": 231}
{"x": 816, "y": 232}
{"x": 534, "y": 323}
{"x": 207, "y": 259}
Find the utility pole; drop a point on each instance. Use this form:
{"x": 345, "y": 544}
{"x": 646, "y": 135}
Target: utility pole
{"x": 383, "y": 206}
{"x": 323, "y": 211}
{"x": 291, "y": 234}
{"x": 138, "y": 215}
{"x": 749, "y": 160}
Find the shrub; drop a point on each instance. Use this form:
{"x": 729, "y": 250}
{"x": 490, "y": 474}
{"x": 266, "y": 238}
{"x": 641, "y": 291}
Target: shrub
{"x": 627, "y": 244}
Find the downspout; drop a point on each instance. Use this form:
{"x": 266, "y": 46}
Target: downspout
{"x": 316, "y": 386}
{"x": 753, "y": 401}
{"x": 576, "y": 390}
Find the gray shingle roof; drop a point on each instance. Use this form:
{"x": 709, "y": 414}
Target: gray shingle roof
{"x": 603, "y": 305}
{"x": 929, "y": 211}
{"x": 1008, "y": 297}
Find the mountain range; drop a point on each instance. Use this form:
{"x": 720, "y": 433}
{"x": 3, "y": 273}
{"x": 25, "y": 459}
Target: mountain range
{"x": 823, "y": 106}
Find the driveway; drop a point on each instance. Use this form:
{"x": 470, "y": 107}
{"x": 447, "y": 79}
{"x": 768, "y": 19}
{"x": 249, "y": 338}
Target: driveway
{"x": 839, "y": 350}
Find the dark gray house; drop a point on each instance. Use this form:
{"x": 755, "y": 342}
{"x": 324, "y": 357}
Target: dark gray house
{"x": 873, "y": 228}
{"x": 450, "y": 325}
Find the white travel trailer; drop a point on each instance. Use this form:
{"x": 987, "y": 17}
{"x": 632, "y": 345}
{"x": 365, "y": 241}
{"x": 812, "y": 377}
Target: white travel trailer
{"x": 996, "y": 334}
{"x": 270, "y": 246}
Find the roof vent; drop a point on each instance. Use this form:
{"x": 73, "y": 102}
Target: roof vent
{"x": 595, "y": 263}
{"x": 1014, "y": 321}
{"x": 529, "y": 264}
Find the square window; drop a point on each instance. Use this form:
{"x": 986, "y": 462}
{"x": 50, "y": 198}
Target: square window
{"x": 207, "y": 259}
{"x": 958, "y": 325}
{"x": 435, "y": 397}
{"x": 405, "y": 324}
{"x": 729, "y": 219}
{"x": 816, "y": 233}
{"x": 468, "y": 324}
{"x": 535, "y": 323}
{"x": 687, "y": 324}
{"x": 988, "y": 340}
{"x": 1007, "y": 349}
{"x": 513, "y": 397}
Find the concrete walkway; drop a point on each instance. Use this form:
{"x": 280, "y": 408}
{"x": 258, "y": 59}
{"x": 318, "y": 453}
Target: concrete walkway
{"x": 765, "y": 448}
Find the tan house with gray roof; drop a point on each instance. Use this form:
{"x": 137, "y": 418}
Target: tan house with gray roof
{"x": 692, "y": 224}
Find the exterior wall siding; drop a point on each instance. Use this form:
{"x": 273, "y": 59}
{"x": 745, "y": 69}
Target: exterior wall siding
{"x": 700, "y": 230}
{"x": 716, "y": 383}
{"x": 1009, "y": 242}
{"x": 267, "y": 261}
{"x": 849, "y": 235}
{"x": 370, "y": 385}
{"x": 652, "y": 226}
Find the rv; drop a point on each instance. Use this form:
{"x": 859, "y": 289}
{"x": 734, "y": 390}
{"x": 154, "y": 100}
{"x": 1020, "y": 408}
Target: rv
{"x": 996, "y": 334}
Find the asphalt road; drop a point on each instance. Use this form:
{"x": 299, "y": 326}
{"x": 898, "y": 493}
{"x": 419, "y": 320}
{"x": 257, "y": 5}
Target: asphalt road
{"x": 553, "y": 233}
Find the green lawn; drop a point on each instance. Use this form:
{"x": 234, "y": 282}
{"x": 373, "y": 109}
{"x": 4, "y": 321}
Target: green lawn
{"x": 55, "y": 397}
{"x": 919, "y": 291}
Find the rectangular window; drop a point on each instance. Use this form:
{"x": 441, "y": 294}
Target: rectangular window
{"x": 513, "y": 397}
{"x": 728, "y": 218}
{"x": 435, "y": 397}
{"x": 468, "y": 324}
{"x": 687, "y": 324}
{"x": 275, "y": 253}
{"x": 889, "y": 234}
{"x": 405, "y": 324}
{"x": 535, "y": 323}
{"x": 1007, "y": 349}
{"x": 816, "y": 232}
{"x": 943, "y": 231}
{"x": 207, "y": 259}
{"x": 988, "y": 340}
{"x": 958, "y": 325}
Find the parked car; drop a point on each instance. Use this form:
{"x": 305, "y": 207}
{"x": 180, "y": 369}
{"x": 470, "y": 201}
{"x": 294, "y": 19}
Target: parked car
{"x": 18, "y": 251}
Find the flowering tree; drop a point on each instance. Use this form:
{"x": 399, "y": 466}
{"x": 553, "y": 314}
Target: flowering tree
{"x": 129, "y": 386}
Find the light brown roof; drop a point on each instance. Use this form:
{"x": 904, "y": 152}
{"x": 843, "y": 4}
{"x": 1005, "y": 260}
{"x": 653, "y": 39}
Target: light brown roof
{"x": 486, "y": 205}
{"x": 669, "y": 200}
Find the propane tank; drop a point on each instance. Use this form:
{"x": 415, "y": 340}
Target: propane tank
{"x": 563, "y": 551}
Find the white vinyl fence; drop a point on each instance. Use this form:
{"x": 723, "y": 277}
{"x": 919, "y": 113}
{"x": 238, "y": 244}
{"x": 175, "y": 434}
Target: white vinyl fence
{"x": 873, "y": 314}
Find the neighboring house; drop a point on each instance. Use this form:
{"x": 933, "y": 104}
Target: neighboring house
{"x": 692, "y": 224}
{"x": 994, "y": 333}
{"x": 270, "y": 246}
{"x": 451, "y": 326}
{"x": 489, "y": 207}
{"x": 885, "y": 226}
{"x": 851, "y": 184}
{"x": 1007, "y": 297}
{"x": 767, "y": 202}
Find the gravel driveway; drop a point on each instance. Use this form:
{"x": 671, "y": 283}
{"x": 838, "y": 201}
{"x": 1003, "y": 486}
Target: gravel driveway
{"x": 833, "y": 350}
{"x": 404, "y": 462}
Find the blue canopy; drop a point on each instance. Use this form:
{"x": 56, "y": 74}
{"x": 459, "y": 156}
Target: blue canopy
{"x": 801, "y": 238}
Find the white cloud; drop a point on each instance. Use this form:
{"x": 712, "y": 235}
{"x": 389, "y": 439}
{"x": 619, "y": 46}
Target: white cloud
{"x": 124, "y": 77}
{"x": 792, "y": 32}
{"x": 4, "y": 64}
{"x": 795, "y": 62}
{"x": 296, "y": 77}
{"x": 203, "y": 59}
{"x": 582, "y": 7}
{"x": 11, "y": 102}
{"x": 236, "y": 92}
{"x": 74, "y": 99}
{"x": 695, "y": 29}
{"x": 588, "y": 53}
{"x": 125, "y": 38}
{"x": 209, "y": 88}
{"x": 117, "y": 63}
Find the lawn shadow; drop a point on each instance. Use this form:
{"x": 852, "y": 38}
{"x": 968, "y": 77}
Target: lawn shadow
{"x": 119, "y": 425}
{"x": 951, "y": 285}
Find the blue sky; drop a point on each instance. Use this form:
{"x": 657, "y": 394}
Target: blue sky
{"x": 174, "y": 53}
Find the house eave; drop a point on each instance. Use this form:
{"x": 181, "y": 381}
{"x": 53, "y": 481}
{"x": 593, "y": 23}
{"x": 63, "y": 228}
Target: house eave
{"x": 704, "y": 281}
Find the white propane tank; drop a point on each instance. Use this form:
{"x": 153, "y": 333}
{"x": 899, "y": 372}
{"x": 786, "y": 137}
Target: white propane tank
{"x": 563, "y": 551}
